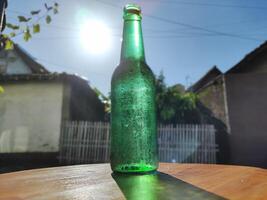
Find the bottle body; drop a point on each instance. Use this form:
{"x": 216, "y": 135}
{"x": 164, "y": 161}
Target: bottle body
{"x": 133, "y": 118}
{"x": 133, "y": 114}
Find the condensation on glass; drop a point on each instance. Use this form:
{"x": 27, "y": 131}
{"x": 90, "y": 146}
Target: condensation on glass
{"x": 133, "y": 114}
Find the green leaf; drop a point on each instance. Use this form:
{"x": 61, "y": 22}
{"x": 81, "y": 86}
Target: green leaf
{"x": 36, "y": 28}
{"x": 98, "y": 93}
{"x": 12, "y": 26}
{"x": 24, "y": 19}
{"x": 27, "y": 34}
{"x": 35, "y": 12}
{"x": 9, "y": 45}
{"x": 48, "y": 8}
{"x": 8, "y": 25}
{"x": 55, "y": 10}
{"x": 5, "y": 36}
{"x": 1, "y": 89}
{"x": 48, "y": 19}
{"x": 12, "y": 34}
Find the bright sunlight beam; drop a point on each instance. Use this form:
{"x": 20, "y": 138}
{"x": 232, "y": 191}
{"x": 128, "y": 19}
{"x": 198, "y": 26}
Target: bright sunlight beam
{"x": 95, "y": 37}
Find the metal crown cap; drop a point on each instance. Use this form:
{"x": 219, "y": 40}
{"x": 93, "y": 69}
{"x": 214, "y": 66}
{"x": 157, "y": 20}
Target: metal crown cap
{"x": 132, "y": 11}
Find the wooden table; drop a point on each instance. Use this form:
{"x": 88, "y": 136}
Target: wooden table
{"x": 95, "y": 181}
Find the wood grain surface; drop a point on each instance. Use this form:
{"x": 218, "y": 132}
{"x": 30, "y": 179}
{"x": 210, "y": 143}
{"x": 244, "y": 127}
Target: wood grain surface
{"x": 228, "y": 181}
{"x": 94, "y": 181}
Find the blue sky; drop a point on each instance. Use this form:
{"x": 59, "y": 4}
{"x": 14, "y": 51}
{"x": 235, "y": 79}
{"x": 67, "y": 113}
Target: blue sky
{"x": 183, "y": 38}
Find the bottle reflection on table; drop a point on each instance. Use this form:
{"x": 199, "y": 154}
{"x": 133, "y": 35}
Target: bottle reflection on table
{"x": 159, "y": 186}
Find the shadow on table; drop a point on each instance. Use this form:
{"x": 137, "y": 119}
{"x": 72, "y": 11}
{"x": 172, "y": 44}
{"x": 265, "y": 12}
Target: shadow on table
{"x": 158, "y": 185}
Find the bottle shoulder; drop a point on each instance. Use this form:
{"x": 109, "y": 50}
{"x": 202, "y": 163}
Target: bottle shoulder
{"x": 130, "y": 69}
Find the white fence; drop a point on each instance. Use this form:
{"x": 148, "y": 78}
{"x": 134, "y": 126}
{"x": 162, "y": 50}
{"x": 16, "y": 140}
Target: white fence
{"x": 88, "y": 142}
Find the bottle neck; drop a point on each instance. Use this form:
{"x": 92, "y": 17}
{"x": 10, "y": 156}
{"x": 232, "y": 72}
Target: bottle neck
{"x": 132, "y": 44}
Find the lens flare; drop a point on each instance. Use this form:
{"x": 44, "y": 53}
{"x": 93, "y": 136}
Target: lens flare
{"x": 95, "y": 37}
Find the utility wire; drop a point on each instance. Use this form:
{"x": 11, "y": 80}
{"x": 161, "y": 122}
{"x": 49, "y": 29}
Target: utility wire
{"x": 170, "y": 33}
{"x": 147, "y": 35}
{"x": 187, "y": 25}
{"x": 206, "y": 4}
{"x": 174, "y": 33}
{"x": 208, "y": 26}
{"x": 202, "y": 28}
{"x": 167, "y": 35}
{"x": 156, "y": 31}
{"x": 190, "y": 26}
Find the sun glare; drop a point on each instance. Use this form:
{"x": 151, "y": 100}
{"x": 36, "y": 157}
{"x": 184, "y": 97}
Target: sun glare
{"x": 95, "y": 37}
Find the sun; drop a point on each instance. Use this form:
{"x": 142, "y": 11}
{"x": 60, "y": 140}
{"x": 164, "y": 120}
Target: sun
{"x": 95, "y": 37}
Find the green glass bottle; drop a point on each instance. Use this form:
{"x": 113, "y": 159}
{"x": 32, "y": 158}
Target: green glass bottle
{"x": 133, "y": 114}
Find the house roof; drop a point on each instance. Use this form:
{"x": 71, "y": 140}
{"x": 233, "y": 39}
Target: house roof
{"x": 212, "y": 74}
{"x": 39, "y": 72}
{"x": 35, "y": 67}
{"x": 249, "y": 57}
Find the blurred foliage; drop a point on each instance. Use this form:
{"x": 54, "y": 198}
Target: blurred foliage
{"x": 48, "y": 19}
{"x": 104, "y": 99}
{"x": 28, "y": 25}
{"x": 36, "y": 28}
{"x": 174, "y": 104}
{"x": 1, "y": 89}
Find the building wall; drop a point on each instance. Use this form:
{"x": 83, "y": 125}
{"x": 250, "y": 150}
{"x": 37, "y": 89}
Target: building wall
{"x": 30, "y": 117}
{"x": 212, "y": 97}
{"x": 212, "y": 109}
{"x": 247, "y": 104}
{"x": 84, "y": 103}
